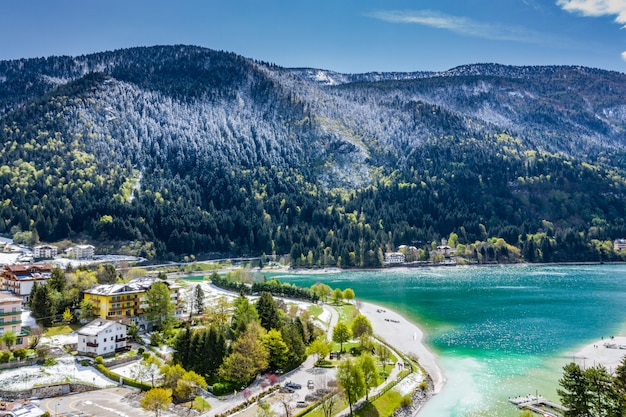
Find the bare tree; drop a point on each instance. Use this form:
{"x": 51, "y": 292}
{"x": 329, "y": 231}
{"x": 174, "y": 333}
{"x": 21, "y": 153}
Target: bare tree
{"x": 329, "y": 403}
{"x": 287, "y": 401}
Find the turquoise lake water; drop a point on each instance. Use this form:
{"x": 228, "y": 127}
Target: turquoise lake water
{"x": 499, "y": 331}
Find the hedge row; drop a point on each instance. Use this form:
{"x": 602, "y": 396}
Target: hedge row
{"x": 249, "y": 401}
{"x": 125, "y": 381}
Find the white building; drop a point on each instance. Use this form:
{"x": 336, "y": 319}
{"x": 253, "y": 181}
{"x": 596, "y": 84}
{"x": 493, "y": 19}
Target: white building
{"x": 394, "y": 258}
{"x": 81, "y": 252}
{"x": 45, "y": 251}
{"x": 101, "y": 338}
{"x": 619, "y": 244}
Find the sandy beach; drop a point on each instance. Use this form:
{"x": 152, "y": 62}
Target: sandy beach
{"x": 605, "y": 351}
{"x": 404, "y": 336}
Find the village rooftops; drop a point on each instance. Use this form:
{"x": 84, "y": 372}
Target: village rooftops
{"x": 32, "y": 271}
{"x": 137, "y": 285}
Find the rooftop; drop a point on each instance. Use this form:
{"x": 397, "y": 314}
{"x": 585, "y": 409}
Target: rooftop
{"x": 96, "y": 327}
{"x": 7, "y": 297}
{"x": 142, "y": 284}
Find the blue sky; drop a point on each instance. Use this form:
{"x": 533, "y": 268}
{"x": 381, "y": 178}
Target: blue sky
{"x": 341, "y": 35}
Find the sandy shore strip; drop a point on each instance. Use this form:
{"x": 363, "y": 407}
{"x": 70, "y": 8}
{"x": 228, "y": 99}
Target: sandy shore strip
{"x": 404, "y": 336}
{"x": 608, "y": 351}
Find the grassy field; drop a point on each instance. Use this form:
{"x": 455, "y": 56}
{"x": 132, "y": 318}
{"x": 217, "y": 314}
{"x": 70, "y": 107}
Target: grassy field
{"x": 61, "y": 330}
{"x": 316, "y": 310}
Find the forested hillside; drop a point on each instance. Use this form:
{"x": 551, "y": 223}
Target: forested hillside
{"x": 179, "y": 150}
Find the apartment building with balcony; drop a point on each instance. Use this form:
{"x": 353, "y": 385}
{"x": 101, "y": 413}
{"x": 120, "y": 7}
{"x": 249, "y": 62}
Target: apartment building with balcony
{"x": 11, "y": 319}
{"x": 102, "y": 338}
{"x": 127, "y": 300}
{"x": 45, "y": 251}
{"x": 19, "y": 279}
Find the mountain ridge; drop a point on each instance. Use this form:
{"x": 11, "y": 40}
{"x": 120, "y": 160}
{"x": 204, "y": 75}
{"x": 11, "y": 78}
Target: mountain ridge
{"x": 222, "y": 153}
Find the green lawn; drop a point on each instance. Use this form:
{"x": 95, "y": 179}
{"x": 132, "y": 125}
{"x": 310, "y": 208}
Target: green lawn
{"x": 199, "y": 404}
{"x": 61, "y": 330}
{"x": 347, "y": 312}
{"x": 316, "y": 310}
{"x": 382, "y": 406}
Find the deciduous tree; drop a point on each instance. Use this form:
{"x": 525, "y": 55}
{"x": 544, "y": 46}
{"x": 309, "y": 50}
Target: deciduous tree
{"x": 370, "y": 372}
{"x": 157, "y": 400}
{"x": 276, "y": 348}
{"x": 320, "y": 348}
{"x": 247, "y": 358}
{"x": 160, "y": 309}
{"x": 352, "y": 381}
{"x": 341, "y": 334}
{"x": 362, "y": 329}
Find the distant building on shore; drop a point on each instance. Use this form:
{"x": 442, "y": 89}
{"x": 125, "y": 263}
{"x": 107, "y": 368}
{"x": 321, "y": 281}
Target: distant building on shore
{"x": 619, "y": 245}
{"x": 394, "y": 258}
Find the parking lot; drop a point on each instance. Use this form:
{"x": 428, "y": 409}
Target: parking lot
{"x": 110, "y": 402}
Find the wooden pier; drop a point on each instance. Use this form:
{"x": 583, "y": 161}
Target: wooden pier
{"x": 538, "y": 404}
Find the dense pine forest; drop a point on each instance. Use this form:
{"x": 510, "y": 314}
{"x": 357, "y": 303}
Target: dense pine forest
{"x": 179, "y": 150}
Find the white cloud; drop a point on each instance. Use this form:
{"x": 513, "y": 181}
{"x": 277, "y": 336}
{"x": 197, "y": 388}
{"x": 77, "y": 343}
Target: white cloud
{"x": 624, "y": 55}
{"x": 597, "y": 8}
{"x": 461, "y": 25}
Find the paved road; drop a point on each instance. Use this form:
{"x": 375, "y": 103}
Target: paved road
{"x": 110, "y": 402}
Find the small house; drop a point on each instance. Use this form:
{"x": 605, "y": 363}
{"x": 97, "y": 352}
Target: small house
{"x": 101, "y": 338}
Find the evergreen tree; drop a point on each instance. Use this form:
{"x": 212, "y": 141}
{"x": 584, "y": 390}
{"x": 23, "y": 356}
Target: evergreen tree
{"x": 269, "y": 314}
{"x": 198, "y": 299}
{"x": 244, "y": 314}
{"x": 57, "y": 280}
{"x": 215, "y": 349}
{"x": 40, "y": 304}
{"x": 292, "y": 336}
{"x": 574, "y": 391}
{"x": 182, "y": 348}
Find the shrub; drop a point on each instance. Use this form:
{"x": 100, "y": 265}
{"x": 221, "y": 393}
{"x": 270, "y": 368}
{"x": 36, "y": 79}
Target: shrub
{"x": 223, "y": 388}
{"x": 141, "y": 350}
{"x": 145, "y": 355}
{"x": 406, "y": 401}
{"x": 20, "y": 353}
{"x": 50, "y": 362}
{"x": 99, "y": 360}
{"x": 156, "y": 339}
{"x": 42, "y": 351}
{"x": 5, "y": 355}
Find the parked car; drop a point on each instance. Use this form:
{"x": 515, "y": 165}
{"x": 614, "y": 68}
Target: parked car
{"x": 293, "y": 385}
{"x": 301, "y": 404}
{"x": 286, "y": 390}
{"x": 310, "y": 384}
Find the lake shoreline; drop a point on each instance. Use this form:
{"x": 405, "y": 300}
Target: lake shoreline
{"x": 402, "y": 335}
{"x": 405, "y": 336}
